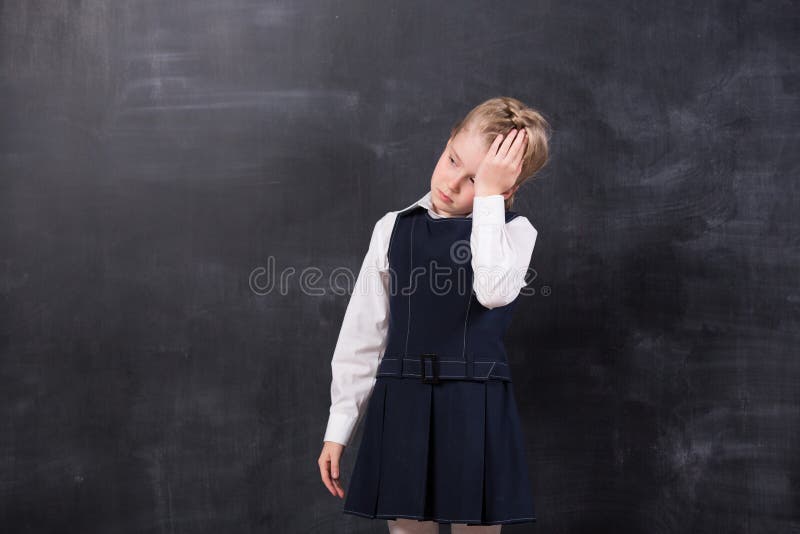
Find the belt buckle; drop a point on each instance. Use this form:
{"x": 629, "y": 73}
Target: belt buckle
{"x": 434, "y": 379}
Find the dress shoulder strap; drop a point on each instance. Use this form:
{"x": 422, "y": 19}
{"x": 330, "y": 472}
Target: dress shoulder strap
{"x": 409, "y": 210}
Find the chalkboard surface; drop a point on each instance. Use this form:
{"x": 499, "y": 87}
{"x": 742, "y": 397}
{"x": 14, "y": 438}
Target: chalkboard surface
{"x": 159, "y": 159}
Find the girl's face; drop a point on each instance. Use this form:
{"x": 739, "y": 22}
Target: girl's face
{"x": 454, "y": 174}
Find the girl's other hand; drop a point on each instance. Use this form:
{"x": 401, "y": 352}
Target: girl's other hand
{"x": 329, "y": 467}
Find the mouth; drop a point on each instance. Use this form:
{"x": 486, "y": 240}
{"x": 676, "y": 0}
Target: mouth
{"x": 444, "y": 197}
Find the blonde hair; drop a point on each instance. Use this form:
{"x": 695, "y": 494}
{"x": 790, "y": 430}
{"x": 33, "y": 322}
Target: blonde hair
{"x": 498, "y": 116}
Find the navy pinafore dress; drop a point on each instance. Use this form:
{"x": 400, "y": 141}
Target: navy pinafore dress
{"x": 442, "y": 438}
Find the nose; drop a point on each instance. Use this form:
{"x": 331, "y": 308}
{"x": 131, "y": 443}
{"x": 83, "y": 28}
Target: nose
{"x": 452, "y": 183}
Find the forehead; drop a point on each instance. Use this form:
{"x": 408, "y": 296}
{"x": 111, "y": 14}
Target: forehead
{"x": 469, "y": 146}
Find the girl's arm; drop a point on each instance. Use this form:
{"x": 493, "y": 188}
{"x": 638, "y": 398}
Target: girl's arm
{"x": 362, "y": 338}
{"x": 501, "y": 252}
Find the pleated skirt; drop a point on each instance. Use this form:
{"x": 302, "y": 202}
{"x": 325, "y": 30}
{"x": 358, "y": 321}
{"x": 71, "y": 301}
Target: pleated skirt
{"x": 450, "y": 452}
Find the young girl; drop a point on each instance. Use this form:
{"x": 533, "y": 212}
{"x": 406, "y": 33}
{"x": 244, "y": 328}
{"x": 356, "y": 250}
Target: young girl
{"x": 421, "y": 343}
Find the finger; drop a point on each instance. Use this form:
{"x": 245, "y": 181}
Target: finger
{"x": 335, "y": 475}
{"x": 495, "y": 144}
{"x": 517, "y": 149}
{"x": 339, "y": 488}
{"x": 503, "y": 149}
{"x": 518, "y": 169}
{"x": 503, "y": 152}
{"x": 326, "y": 479}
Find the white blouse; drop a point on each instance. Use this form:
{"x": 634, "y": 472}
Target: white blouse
{"x": 502, "y": 249}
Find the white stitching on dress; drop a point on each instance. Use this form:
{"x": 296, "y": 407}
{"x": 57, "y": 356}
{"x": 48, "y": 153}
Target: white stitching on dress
{"x": 411, "y": 261}
{"x": 491, "y": 369}
{"x": 447, "y": 361}
{"x": 466, "y": 319}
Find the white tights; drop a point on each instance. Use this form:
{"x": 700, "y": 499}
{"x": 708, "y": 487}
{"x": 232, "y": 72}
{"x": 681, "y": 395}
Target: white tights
{"x": 412, "y": 526}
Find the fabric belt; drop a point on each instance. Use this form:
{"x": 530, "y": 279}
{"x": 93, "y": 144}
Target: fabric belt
{"x": 436, "y": 369}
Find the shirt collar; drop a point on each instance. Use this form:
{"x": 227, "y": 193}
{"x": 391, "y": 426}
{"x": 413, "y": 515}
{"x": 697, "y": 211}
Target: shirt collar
{"x": 425, "y": 202}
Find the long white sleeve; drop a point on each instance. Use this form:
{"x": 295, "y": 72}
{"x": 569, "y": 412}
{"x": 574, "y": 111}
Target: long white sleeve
{"x": 501, "y": 252}
{"x": 362, "y": 338}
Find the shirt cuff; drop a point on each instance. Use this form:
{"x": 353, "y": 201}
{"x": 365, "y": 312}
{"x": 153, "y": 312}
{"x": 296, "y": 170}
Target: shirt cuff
{"x": 340, "y": 427}
{"x": 489, "y": 210}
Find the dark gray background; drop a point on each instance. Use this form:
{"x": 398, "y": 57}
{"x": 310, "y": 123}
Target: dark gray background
{"x": 154, "y": 154}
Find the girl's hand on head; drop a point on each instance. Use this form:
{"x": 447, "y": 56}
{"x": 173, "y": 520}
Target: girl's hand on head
{"x": 502, "y": 164}
{"x": 329, "y": 467}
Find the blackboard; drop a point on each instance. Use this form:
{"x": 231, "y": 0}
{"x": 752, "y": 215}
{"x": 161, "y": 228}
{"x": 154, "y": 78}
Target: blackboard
{"x": 156, "y": 155}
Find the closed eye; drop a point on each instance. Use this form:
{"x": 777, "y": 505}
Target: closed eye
{"x": 453, "y": 162}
